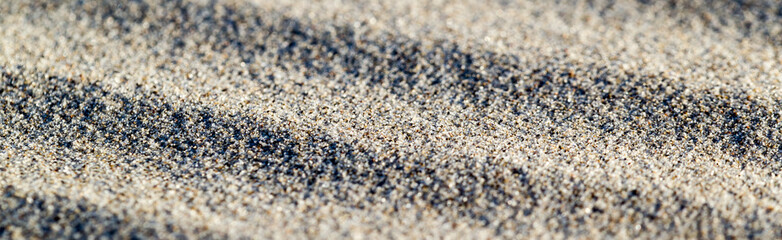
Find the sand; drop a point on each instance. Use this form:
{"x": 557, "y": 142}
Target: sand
{"x": 395, "y": 119}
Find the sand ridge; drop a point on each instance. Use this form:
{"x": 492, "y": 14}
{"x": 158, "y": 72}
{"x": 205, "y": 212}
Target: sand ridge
{"x": 353, "y": 119}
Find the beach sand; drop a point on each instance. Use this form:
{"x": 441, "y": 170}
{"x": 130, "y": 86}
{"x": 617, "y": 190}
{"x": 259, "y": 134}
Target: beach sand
{"x": 395, "y": 119}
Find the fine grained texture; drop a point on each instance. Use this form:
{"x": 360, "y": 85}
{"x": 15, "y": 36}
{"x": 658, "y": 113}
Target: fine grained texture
{"x": 390, "y": 119}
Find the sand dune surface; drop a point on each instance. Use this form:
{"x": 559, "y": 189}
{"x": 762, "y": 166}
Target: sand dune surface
{"x": 390, "y": 119}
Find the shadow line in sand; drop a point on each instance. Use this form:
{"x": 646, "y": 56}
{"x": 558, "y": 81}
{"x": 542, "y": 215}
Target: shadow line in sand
{"x": 178, "y": 138}
{"x": 186, "y": 135}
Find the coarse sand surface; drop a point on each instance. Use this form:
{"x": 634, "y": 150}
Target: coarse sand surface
{"x": 327, "y": 119}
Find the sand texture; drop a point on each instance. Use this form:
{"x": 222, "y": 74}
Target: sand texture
{"x": 330, "y": 119}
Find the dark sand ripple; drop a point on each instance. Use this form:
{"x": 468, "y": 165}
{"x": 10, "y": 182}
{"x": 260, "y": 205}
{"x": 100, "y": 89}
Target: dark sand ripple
{"x": 229, "y": 119}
